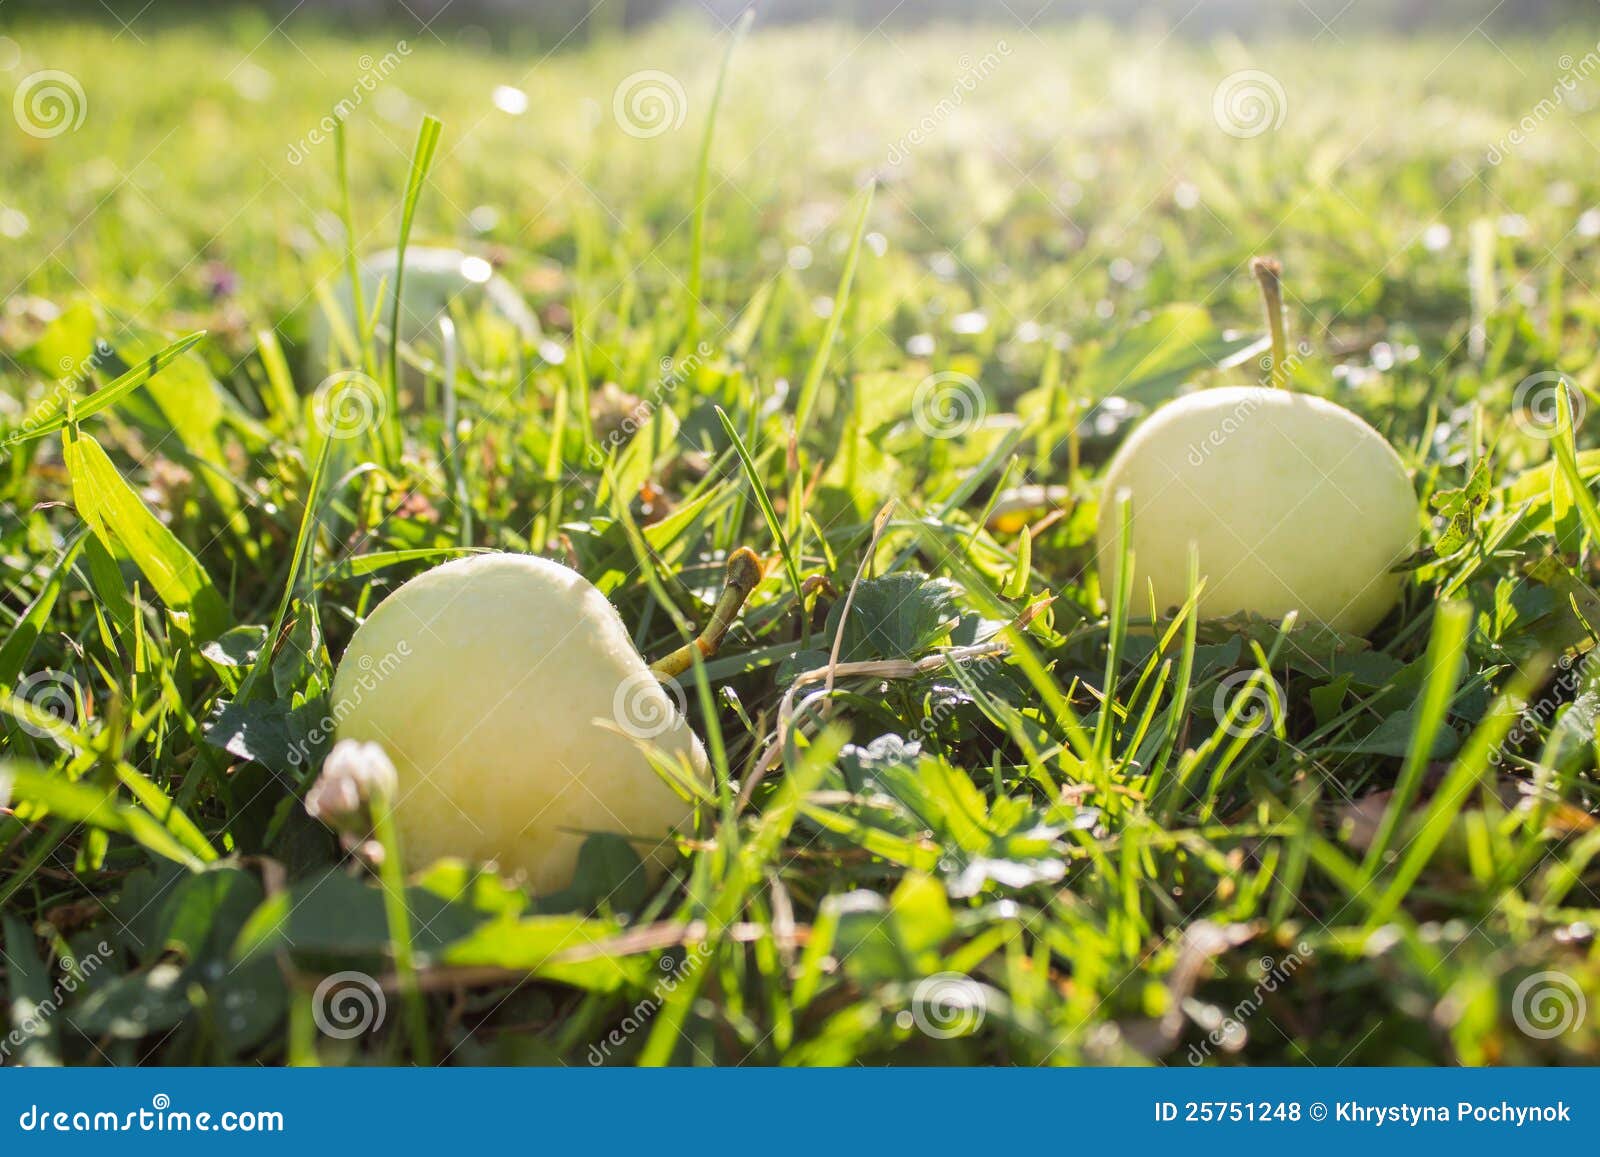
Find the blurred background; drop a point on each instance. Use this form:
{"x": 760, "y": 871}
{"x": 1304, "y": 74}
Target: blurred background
{"x": 550, "y": 21}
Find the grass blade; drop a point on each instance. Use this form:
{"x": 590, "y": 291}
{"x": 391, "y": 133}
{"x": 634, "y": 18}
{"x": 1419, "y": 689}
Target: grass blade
{"x": 841, "y": 298}
{"x": 68, "y": 411}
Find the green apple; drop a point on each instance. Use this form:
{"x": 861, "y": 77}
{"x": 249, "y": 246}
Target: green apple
{"x": 1291, "y": 502}
{"x": 517, "y": 713}
{"x": 436, "y": 281}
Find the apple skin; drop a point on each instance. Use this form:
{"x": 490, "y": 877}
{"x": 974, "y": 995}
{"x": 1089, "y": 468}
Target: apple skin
{"x": 496, "y": 683}
{"x": 1293, "y": 504}
{"x": 435, "y": 279}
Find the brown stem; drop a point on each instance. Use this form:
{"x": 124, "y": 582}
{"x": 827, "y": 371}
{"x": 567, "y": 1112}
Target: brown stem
{"x": 1269, "y": 273}
{"x": 744, "y": 575}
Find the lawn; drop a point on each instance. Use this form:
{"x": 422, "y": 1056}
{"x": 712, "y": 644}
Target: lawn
{"x": 881, "y": 314}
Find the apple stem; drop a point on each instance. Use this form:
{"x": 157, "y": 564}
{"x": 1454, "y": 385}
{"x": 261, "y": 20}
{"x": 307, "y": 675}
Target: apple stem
{"x": 1269, "y": 274}
{"x": 744, "y": 575}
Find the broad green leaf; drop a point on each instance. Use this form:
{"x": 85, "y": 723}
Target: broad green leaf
{"x": 123, "y": 523}
{"x": 338, "y": 915}
{"x": 191, "y": 402}
{"x": 32, "y": 1005}
{"x": 134, "y": 1006}
{"x": 898, "y": 616}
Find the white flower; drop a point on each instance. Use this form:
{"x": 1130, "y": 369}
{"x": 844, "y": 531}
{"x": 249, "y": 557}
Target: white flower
{"x": 351, "y": 775}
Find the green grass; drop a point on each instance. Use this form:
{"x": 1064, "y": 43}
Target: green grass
{"x": 1119, "y": 839}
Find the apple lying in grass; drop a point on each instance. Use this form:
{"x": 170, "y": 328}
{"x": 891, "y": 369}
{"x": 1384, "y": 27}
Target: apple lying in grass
{"x": 517, "y": 713}
{"x": 436, "y": 281}
{"x": 1290, "y": 502}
